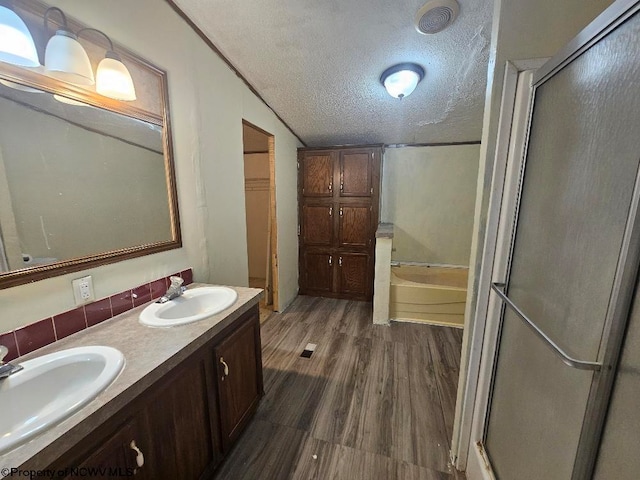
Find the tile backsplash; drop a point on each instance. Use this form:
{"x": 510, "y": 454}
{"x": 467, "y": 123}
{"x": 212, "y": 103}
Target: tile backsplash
{"x": 36, "y": 335}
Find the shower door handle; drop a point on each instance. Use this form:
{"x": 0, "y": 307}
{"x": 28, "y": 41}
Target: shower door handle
{"x": 572, "y": 362}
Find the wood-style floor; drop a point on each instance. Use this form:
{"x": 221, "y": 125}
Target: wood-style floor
{"x": 372, "y": 402}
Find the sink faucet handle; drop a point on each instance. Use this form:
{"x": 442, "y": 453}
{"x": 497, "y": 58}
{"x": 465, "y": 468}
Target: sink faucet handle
{"x": 3, "y": 353}
{"x": 176, "y": 281}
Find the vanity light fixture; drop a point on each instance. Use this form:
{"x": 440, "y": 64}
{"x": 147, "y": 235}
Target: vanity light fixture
{"x": 16, "y": 43}
{"x": 64, "y": 57}
{"x": 402, "y": 79}
{"x": 112, "y": 76}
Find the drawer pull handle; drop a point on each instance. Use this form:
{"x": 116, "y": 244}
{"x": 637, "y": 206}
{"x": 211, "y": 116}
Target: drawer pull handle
{"x": 341, "y": 212}
{"x": 226, "y": 367}
{"x": 330, "y": 211}
{"x": 139, "y": 454}
{"x": 330, "y": 260}
{"x": 331, "y": 187}
{"x": 340, "y": 261}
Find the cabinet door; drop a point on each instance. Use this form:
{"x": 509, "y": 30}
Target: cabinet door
{"x": 356, "y": 173}
{"x": 181, "y": 424}
{"x": 317, "y": 225}
{"x": 355, "y": 225}
{"x": 353, "y": 274}
{"x": 317, "y": 174}
{"x": 238, "y": 363}
{"x": 317, "y": 272}
{"x": 116, "y": 457}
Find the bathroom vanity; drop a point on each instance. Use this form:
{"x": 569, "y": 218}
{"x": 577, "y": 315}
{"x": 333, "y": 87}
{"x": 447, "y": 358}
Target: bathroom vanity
{"x": 183, "y": 398}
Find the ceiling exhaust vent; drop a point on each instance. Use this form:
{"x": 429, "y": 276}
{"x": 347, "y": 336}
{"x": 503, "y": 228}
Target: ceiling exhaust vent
{"x": 436, "y": 15}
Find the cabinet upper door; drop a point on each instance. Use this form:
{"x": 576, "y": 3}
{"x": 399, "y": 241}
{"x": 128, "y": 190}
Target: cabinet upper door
{"x": 317, "y": 271}
{"x": 353, "y": 274}
{"x": 317, "y": 224}
{"x": 355, "y": 225}
{"x": 356, "y": 173}
{"x": 239, "y": 385}
{"x": 317, "y": 174}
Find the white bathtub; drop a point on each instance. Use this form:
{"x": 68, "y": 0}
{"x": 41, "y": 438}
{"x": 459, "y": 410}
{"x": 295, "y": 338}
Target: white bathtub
{"x": 435, "y": 295}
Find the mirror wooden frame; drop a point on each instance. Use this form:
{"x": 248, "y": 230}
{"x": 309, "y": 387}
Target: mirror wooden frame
{"x": 160, "y": 117}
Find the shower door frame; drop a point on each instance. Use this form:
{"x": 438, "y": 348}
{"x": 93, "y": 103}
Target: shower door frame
{"x": 478, "y": 464}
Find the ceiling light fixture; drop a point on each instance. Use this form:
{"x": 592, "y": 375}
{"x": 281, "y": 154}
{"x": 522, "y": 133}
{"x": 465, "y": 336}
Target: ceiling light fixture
{"x": 16, "y": 43}
{"x": 64, "y": 57}
{"x": 402, "y": 79}
{"x": 113, "y": 78}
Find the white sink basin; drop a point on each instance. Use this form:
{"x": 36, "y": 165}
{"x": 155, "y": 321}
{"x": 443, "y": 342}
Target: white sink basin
{"x": 52, "y": 387}
{"x": 193, "y": 305}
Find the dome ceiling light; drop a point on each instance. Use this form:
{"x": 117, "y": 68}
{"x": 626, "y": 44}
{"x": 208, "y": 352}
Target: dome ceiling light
{"x": 402, "y": 79}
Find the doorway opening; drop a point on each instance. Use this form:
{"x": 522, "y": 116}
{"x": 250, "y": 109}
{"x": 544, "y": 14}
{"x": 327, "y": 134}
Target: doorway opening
{"x": 260, "y": 204}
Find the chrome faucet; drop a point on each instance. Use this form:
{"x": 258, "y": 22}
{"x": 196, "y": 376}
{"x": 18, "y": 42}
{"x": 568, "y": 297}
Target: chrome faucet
{"x": 7, "y": 369}
{"x": 175, "y": 290}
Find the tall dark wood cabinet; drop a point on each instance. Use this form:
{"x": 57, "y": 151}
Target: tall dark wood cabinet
{"x": 338, "y": 207}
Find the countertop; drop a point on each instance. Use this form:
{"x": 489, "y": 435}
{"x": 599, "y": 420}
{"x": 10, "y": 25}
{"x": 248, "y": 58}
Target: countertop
{"x": 385, "y": 230}
{"x": 149, "y": 354}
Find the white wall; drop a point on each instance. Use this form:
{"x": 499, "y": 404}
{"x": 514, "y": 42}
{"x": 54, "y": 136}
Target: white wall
{"x": 208, "y": 102}
{"x": 428, "y": 193}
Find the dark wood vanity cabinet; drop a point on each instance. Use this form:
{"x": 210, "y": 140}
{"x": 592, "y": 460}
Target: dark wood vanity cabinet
{"x": 183, "y": 425}
{"x": 338, "y": 197}
{"x": 239, "y": 383}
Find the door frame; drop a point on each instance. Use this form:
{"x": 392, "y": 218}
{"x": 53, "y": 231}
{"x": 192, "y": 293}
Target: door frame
{"x": 273, "y": 224}
{"x": 500, "y": 228}
{"x": 509, "y": 158}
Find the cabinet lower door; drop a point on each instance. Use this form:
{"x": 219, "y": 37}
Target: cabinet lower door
{"x": 239, "y": 386}
{"x": 180, "y": 419}
{"x": 317, "y": 272}
{"x": 116, "y": 457}
{"x": 353, "y": 274}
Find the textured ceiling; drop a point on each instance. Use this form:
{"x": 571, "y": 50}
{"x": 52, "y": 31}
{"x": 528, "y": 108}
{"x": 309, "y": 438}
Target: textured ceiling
{"x": 317, "y": 63}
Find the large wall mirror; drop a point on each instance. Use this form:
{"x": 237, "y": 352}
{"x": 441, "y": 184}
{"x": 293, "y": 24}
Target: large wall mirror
{"x": 85, "y": 180}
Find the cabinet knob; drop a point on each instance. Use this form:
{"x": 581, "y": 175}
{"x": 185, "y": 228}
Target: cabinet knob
{"x": 226, "y": 367}
{"x": 340, "y": 261}
{"x": 330, "y": 260}
{"x": 341, "y": 212}
{"x": 331, "y": 187}
{"x": 330, "y": 211}
{"x": 139, "y": 454}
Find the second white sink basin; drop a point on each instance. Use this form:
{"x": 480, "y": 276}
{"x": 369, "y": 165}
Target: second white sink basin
{"x": 193, "y": 305}
{"x": 52, "y": 387}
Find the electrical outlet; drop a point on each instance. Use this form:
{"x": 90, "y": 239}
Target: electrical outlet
{"x": 83, "y": 290}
